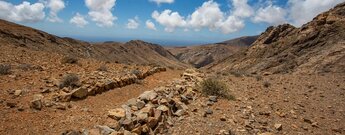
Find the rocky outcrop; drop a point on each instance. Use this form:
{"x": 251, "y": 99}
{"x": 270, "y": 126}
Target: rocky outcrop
{"x": 316, "y": 47}
{"x": 153, "y": 112}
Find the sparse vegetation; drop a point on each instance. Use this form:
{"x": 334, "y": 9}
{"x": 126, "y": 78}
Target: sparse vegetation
{"x": 69, "y": 80}
{"x": 5, "y": 69}
{"x": 103, "y": 68}
{"x": 25, "y": 67}
{"x": 213, "y": 87}
{"x": 69, "y": 60}
{"x": 237, "y": 73}
{"x": 258, "y": 77}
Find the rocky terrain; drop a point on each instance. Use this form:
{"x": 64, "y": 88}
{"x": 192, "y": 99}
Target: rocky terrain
{"x": 203, "y": 55}
{"x": 316, "y": 47}
{"x": 290, "y": 81}
{"x": 129, "y": 53}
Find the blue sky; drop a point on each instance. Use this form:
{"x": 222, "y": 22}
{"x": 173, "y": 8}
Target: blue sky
{"x": 235, "y": 18}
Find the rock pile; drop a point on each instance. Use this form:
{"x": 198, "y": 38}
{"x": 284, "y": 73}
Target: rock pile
{"x": 90, "y": 87}
{"x": 94, "y": 88}
{"x": 153, "y": 111}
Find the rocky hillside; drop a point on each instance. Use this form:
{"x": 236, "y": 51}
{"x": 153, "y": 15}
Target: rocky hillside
{"x": 139, "y": 52}
{"x": 241, "y": 41}
{"x": 17, "y": 36}
{"x": 203, "y": 55}
{"x": 316, "y": 47}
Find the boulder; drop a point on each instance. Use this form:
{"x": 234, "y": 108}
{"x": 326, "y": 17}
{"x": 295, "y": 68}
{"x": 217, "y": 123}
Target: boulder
{"x": 105, "y": 130}
{"x": 80, "y": 93}
{"x": 148, "y": 95}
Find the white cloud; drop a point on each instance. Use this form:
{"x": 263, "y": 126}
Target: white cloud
{"x": 100, "y": 12}
{"x": 79, "y": 21}
{"x": 150, "y": 25}
{"x": 303, "y": 11}
{"x": 271, "y": 14}
{"x": 209, "y": 16}
{"x": 55, "y": 7}
{"x": 231, "y": 24}
{"x": 24, "y": 12}
{"x": 242, "y": 9}
{"x": 162, "y": 1}
{"x": 206, "y": 16}
{"x": 133, "y": 23}
{"x": 169, "y": 19}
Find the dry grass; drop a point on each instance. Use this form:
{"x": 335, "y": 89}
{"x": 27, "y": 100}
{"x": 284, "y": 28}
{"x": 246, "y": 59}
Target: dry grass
{"x": 213, "y": 87}
{"x": 69, "y": 60}
{"x": 69, "y": 80}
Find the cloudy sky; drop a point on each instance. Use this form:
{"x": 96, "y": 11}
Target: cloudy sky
{"x": 167, "y": 22}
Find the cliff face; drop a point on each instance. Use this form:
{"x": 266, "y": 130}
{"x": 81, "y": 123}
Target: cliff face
{"x": 316, "y": 47}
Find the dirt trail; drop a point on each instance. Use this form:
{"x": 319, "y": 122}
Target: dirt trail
{"x": 82, "y": 114}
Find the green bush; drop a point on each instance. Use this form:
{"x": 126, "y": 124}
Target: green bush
{"x": 213, "y": 87}
{"x": 5, "y": 69}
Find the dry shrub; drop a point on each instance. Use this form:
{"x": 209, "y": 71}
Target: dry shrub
{"x": 69, "y": 80}
{"x": 267, "y": 84}
{"x": 103, "y": 68}
{"x": 5, "y": 69}
{"x": 213, "y": 87}
{"x": 69, "y": 60}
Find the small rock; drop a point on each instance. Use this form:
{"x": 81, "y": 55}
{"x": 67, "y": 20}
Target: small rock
{"x": 213, "y": 98}
{"x": 140, "y": 104}
{"x": 209, "y": 111}
{"x": 179, "y": 112}
{"x": 224, "y": 132}
{"x": 163, "y": 108}
{"x": 307, "y": 120}
{"x": 105, "y": 130}
{"x": 222, "y": 118}
{"x": 18, "y": 92}
{"x": 142, "y": 117}
{"x": 266, "y": 133}
{"x": 36, "y": 104}
{"x": 132, "y": 102}
{"x": 117, "y": 113}
{"x": 278, "y": 127}
{"x": 20, "y": 108}
{"x": 11, "y": 104}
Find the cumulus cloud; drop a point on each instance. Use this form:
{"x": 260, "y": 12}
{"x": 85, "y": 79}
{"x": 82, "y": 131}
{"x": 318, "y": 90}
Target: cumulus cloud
{"x": 169, "y": 19}
{"x": 231, "y": 24}
{"x": 271, "y": 14}
{"x": 242, "y": 9}
{"x": 162, "y": 1}
{"x": 133, "y": 23}
{"x": 100, "y": 12}
{"x": 79, "y": 20}
{"x": 55, "y": 7}
{"x": 150, "y": 25}
{"x": 303, "y": 11}
{"x": 208, "y": 15}
{"x": 24, "y": 12}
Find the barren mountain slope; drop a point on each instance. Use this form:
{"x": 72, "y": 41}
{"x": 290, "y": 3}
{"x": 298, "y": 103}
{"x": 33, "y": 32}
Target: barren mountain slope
{"x": 200, "y": 56}
{"x": 241, "y": 41}
{"x": 139, "y": 52}
{"x": 131, "y": 52}
{"x": 317, "y": 46}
